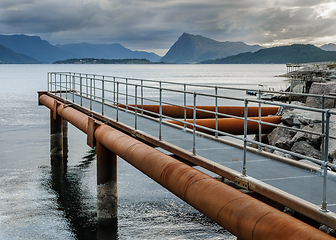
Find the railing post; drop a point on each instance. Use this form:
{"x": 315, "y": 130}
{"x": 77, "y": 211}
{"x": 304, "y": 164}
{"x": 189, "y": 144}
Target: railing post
{"x": 136, "y": 107}
{"x": 160, "y": 125}
{"x": 66, "y": 86}
{"x": 73, "y": 88}
{"x": 103, "y": 95}
{"x": 126, "y": 94}
{"x": 55, "y": 83}
{"x": 87, "y": 86}
{"x": 94, "y": 86}
{"x": 325, "y": 163}
{"x": 48, "y": 78}
{"x": 114, "y": 91}
{"x": 216, "y": 104}
{"x": 142, "y": 95}
{"x": 60, "y": 86}
{"x": 245, "y": 135}
{"x": 117, "y": 117}
{"x": 90, "y": 94}
{"x": 81, "y": 89}
{"x": 185, "y": 105}
{"x": 323, "y": 129}
{"x": 259, "y": 113}
{"x": 194, "y": 125}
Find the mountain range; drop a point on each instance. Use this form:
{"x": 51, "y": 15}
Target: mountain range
{"x": 187, "y": 49}
{"x": 195, "y": 48}
{"x": 43, "y": 51}
{"x": 296, "y": 53}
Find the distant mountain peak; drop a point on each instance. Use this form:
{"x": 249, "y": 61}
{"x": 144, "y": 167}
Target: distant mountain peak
{"x": 191, "y": 48}
{"x": 329, "y": 47}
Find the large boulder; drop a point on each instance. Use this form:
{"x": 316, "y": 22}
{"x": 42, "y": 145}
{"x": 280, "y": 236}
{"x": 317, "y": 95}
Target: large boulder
{"x": 306, "y": 149}
{"x": 321, "y": 89}
{"x": 298, "y": 117}
{"x": 284, "y": 143}
{"x": 314, "y": 139}
{"x": 332, "y": 143}
{"x": 278, "y": 133}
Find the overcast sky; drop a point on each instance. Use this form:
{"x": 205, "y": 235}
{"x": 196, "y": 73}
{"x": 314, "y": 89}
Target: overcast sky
{"x": 154, "y": 25}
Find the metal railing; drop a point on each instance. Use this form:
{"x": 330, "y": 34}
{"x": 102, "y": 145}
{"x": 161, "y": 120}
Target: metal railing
{"x": 129, "y": 94}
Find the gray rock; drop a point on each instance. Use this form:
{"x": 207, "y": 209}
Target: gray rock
{"x": 314, "y": 139}
{"x": 306, "y": 149}
{"x": 284, "y": 143}
{"x": 332, "y": 143}
{"x": 321, "y": 89}
{"x": 279, "y": 132}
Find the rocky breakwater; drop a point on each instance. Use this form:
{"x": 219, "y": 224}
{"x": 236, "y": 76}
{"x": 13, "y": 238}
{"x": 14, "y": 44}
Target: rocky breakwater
{"x": 300, "y": 131}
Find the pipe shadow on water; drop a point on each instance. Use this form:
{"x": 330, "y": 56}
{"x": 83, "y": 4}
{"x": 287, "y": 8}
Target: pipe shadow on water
{"x": 76, "y": 203}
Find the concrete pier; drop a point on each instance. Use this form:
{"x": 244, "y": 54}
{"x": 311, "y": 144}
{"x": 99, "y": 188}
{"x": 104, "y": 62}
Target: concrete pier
{"x": 107, "y": 194}
{"x": 56, "y": 136}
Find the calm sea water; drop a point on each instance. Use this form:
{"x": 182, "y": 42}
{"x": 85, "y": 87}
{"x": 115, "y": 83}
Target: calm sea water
{"x": 38, "y": 203}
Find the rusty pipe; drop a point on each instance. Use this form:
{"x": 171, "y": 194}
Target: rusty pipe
{"x": 178, "y": 111}
{"x": 73, "y": 116}
{"x": 242, "y": 215}
{"x": 232, "y": 125}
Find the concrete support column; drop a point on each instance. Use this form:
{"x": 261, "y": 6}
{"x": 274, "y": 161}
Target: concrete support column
{"x": 107, "y": 194}
{"x": 56, "y": 136}
{"x": 65, "y": 140}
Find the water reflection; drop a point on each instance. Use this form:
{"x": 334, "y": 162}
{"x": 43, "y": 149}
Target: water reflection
{"x": 75, "y": 202}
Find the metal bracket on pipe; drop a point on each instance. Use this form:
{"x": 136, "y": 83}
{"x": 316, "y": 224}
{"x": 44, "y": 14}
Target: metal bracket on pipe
{"x": 242, "y": 182}
{"x": 92, "y": 126}
{"x": 56, "y": 104}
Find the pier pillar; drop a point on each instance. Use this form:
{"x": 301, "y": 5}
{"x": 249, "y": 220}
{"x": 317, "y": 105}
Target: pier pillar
{"x": 65, "y": 140}
{"x": 56, "y": 136}
{"x": 107, "y": 194}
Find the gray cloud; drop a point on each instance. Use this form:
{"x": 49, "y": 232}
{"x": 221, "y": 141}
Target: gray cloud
{"x": 156, "y": 24}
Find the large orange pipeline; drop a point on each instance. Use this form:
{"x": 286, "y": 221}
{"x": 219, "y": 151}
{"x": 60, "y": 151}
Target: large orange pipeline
{"x": 73, "y": 116}
{"x": 178, "y": 112}
{"x": 232, "y": 125}
{"x": 242, "y": 215}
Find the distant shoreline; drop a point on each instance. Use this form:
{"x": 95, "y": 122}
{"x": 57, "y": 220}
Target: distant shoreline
{"x": 105, "y": 61}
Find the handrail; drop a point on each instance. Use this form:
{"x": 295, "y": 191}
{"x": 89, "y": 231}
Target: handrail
{"x": 121, "y": 92}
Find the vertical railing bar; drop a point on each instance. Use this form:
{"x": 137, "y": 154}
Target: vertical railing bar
{"x": 126, "y": 94}
{"x": 259, "y": 113}
{"x": 94, "y": 86}
{"x": 60, "y": 86}
{"x": 160, "y": 113}
{"x": 136, "y": 107}
{"x": 194, "y": 125}
{"x": 325, "y": 169}
{"x": 73, "y": 88}
{"x": 81, "y": 89}
{"x": 323, "y": 129}
{"x": 185, "y": 105}
{"x": 87, "y": 86}
{"x": 90, "y": 94}
{"x": 48, "y": 81}
{"x": 245, "y": 135}
{"x": 117, "y": 117}
{"x": 66, "y": 86}
{"x": 103, "y": 95}
{"x": 142, "y": 95}
{"x": 216, "y": 106}
{"x": 114, "y": 92}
